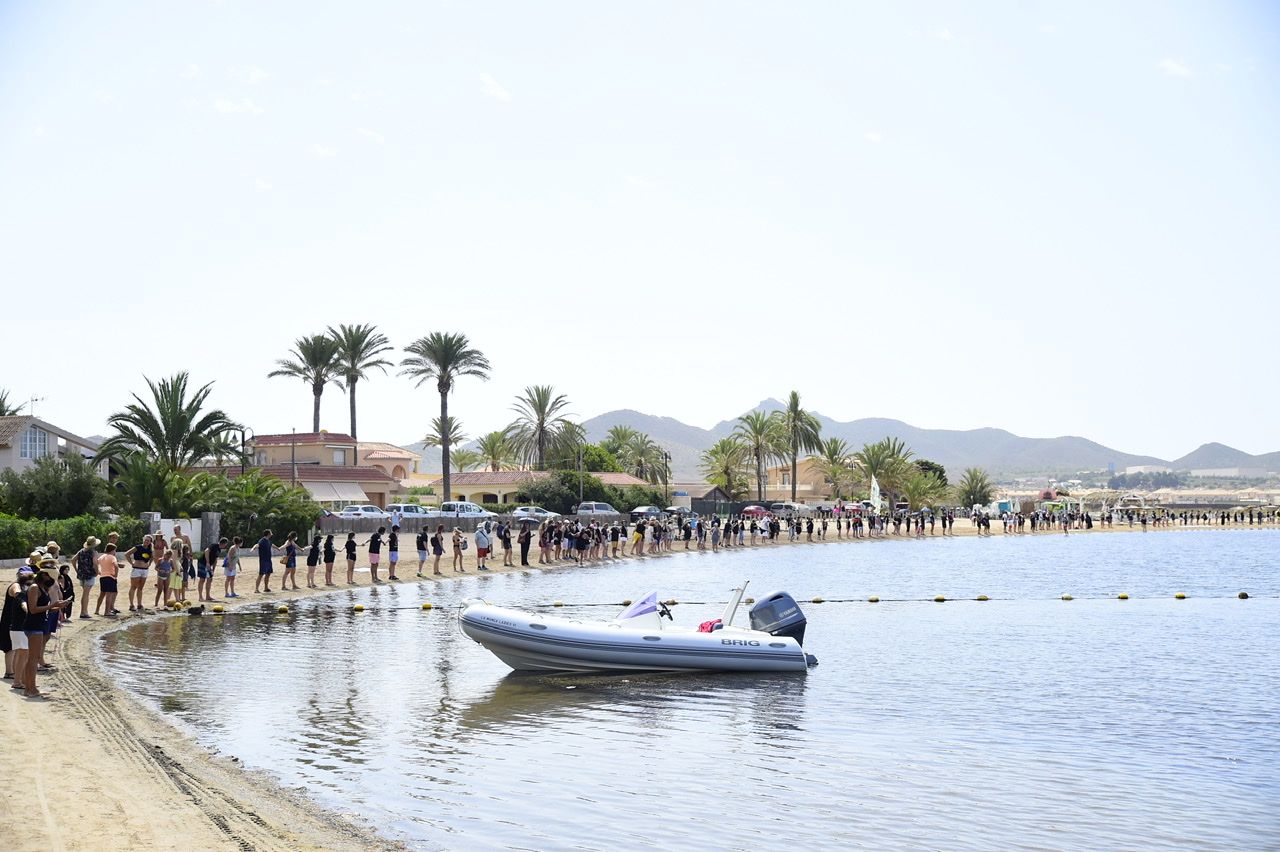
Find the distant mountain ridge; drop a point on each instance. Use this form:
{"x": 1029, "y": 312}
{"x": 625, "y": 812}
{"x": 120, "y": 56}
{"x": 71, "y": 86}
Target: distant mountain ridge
{"x": 996, "y": 450}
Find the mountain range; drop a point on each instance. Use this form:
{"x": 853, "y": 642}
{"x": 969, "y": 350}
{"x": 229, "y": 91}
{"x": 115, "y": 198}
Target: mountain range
{"x": 999, "y": 452}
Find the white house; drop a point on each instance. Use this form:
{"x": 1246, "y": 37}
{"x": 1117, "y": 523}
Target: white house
{"x": 24, "y": 438}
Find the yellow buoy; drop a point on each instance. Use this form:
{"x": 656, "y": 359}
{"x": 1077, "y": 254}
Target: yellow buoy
{"x": 358, "y": 608}
{"x": 751, "y": 600}
{"x": 627, "y": 602}
{"x": 1244, "y": 596}
{"x": 873, "y": 599}
{"x": 426, "y": 605}
{"x": 1181, "y": 596}
{"x": 817, "y": 598}
{"x": 1122, "y": 596}
{"x": 939, "y": 599}
{"x": 1067, "y": 598}
{"x": 282, "y": 608}
{"x": 982, "y": 598}
{"x": 218, "y": 607}
{"x": 558, "y": 603}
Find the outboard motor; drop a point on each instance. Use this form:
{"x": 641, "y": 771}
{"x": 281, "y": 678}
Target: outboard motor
{"x": 778, "y": 614}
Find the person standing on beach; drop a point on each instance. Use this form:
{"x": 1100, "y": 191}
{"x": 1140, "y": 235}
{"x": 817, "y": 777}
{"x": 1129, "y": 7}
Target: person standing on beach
{"x": 375, "y": 552}
{"x": 393, "y": 551}
{"x": 13, "y": 641}
{"x": 39, "y": 603}
{"x": 330, "y": 556}
{"x": 108, "y": 570}
{"x": 140, "y": 558}
{"x": 204, "y": 573}
{"x": 457, "y": 551}
{"x": 265, "y": 552}
{"x": 484, "y": 541}
{"x": 525, "y": 537}
{"x": 231, "y": 568}
{"x": 437, "y": 548}
{"x": 290, "y": 562}
{"x": 421, "y": 541}
{"x": 86, "y": 562}
{"x": 504, "y": 538}
{"x": 313, "y": 561}
{"x": 350, "y": 547}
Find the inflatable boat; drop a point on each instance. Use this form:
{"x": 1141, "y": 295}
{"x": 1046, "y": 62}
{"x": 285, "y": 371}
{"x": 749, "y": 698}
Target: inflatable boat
{"x": 639, "y": 639}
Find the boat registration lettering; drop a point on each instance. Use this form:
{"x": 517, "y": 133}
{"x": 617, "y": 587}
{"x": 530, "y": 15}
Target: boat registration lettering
{"x": 740, "y": 642}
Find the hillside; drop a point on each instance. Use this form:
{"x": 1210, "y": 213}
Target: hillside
{"x": 1215, "y": 455}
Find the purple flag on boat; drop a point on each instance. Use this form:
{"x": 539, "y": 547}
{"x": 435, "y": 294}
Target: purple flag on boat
{"x": 644, "y": 606}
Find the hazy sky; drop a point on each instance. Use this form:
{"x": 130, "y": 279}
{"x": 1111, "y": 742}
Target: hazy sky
{"x": 1050, "y": 218}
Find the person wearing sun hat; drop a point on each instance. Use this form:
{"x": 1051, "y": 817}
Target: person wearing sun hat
{"x": 86, "y": 565}
{"x": 39, "y": 603}
{"x": 49, "y": 568}
{"x": 12, "y": 640}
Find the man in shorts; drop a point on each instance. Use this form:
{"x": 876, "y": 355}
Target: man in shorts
{"x": 86, "y": 565}
{"x": 108, "y": 569}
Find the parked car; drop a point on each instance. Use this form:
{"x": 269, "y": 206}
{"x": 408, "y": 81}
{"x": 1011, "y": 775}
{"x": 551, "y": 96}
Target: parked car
{"x": 364, "y": 511}
{"x": 798, "y": 510}
{"x": 646, "y": 512}
{"x": 754, "y": 511}
{"x": 410, "y": 511}
{"x": 678, "y": 511}
{"x": 589, "y": 508}
{"x": 460, "y": 509}
{"x": 534, "y": 513}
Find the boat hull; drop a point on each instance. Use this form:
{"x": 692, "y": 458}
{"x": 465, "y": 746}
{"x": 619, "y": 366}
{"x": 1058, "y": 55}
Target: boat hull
{"x": 535, "y": 643}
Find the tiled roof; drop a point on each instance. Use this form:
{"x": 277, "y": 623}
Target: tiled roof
{"x": 383, "y": 450}
{"x": 619, "y": 479}
{"x": 310, "y": 472}
{"x": 302, "y": 438}
{"x": 13, "y": 426}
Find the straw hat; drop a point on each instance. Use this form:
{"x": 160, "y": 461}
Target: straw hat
{"x": 91, "y": 542}
{"x": 52, "y": 545}
{"x": 46, "y": 559}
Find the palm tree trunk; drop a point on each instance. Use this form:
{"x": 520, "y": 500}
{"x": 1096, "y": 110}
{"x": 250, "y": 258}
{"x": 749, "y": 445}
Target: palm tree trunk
{"x": 315, "y": 411}
{"x": 793, "y": 474}
{"x": 445, "y": 439}
{"x": 759, "y": 478}
{"x": 351, "y": 385}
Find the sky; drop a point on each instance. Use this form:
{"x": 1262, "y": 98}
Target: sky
{"x": 1056, "y": 219}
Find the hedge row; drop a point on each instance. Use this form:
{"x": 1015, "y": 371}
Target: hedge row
{"x": 19, "y": 536}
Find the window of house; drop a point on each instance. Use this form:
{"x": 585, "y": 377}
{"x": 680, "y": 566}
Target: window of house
{"x": 340, "y": 457}
{"x": 786, "y": 478}
{"x": 35, "y": 443}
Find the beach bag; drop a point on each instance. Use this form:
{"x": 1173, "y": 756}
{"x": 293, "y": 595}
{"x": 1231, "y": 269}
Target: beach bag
{"x": 465, "y": 544}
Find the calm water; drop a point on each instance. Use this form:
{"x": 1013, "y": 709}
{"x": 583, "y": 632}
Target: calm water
{"x": 1027, "y": 723}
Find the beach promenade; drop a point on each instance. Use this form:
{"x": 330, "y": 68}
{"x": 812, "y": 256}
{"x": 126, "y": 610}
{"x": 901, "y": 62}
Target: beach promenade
{"x": 109, "y": 773}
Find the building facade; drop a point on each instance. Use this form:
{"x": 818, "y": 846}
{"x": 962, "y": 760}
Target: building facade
{"x": 24, "y": 439}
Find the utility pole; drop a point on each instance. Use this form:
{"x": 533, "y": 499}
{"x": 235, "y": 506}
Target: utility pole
{"x": 293, "y": 456}
{"x": 579, "y": 471}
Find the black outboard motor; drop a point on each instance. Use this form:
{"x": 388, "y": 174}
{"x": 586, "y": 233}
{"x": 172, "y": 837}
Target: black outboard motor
{"x": 778, "y": 614}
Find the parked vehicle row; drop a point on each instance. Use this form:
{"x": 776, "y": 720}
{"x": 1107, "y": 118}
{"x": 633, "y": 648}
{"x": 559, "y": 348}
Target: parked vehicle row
{"x": 465, "y": 509}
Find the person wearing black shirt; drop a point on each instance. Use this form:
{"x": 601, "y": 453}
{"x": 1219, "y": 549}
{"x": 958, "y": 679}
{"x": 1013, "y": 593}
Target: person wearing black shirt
{"x": 313, "y": 561}
{"x": 265, "y": 552}
{"x": 421, "y": 541}
{"x": 375, "y": 552}
{"x": 330, "y": 555}
{"x": 524, "y": 538}
{"x": 350, "y": 547}
{"x": 393, "y": 550}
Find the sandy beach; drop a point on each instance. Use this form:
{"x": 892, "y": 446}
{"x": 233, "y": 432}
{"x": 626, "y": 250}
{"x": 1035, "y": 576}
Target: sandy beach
{"x": 107, "y": 772}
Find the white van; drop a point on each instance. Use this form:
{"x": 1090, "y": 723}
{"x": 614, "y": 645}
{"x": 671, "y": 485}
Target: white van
{"x": 796, "y": 510}
{"x": 460, "y": 509}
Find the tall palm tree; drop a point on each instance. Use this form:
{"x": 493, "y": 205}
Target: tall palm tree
{"x": 7, "y": 409}
{"x": 315, "y": 361}
{"x": 444, "y": 357}
{"x": 358, "y": 349}
{"x": 727, "y": 463}
{"x": 173, "y": 428}
{"x": 540, "y": 424}
{"x": 759, "y": 433}
{"x": 975, "y": 488}
{"x": 617, "y": 439}
{"x": 922, "y": 489}
{"x": 462, "y": 460}
{"x": 495, "y": 449}
{"x": 887, "y": 461}
{"x": 445, "y": 430}
{"x": 835, "y": 464}
{"x": 800, "y": 431}
{"x": 645, "y": 458}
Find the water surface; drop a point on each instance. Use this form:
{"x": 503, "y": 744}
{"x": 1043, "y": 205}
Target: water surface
{"x": 1025, "y": 722}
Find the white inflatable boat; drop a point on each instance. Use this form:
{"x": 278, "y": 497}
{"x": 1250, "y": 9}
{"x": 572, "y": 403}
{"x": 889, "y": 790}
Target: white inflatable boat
{"x": 638, "y": 640}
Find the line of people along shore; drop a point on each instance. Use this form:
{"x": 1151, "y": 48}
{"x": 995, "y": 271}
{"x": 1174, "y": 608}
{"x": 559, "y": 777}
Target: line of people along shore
{"x": 43, "y": 594}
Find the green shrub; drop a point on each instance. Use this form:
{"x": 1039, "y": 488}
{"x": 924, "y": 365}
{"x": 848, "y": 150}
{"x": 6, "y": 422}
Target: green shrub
{"x": 19, "y": 536}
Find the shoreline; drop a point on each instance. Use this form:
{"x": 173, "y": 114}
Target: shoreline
{"x": 109, "y": 772}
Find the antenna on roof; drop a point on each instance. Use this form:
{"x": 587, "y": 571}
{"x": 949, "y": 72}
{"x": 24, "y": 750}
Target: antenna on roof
{"x": 31, "y": 404}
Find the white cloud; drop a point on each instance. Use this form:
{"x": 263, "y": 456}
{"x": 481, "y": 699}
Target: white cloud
{"x": 494, "y": 89}
{"x": 366, "y": 94}
{"x": 323, "y": 152}
{"x": 38, "y": 131}
{"x": 873, "y": 136}
{"x": 249, "y": 75}
{"x": 371, "y": 135}
{"x": 945, "y": 35}
{"x": 244, "y": 106}
{"x": 191, "y": 72}
{"x": 105, "y": 97}
{"x": 1174, "y": 68}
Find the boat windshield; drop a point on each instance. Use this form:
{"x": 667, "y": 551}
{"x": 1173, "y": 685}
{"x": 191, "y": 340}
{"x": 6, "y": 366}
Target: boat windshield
{"x": 646, "y": 605}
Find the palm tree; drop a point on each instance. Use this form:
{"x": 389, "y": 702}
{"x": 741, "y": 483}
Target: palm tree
{"x": 173, "y": 429}
{"x": 445, "y": 430}
{"x": 921, "y": 489}
{"x": 759, "y": 434}
{"x": 800, "y": 432}
{"x": 540, "y": 425}
{"x": 728, "y": 464}
{"x": 358, "y": 349}
{"x": 466, "y": 460}
{"x": 835, "y": 464}
{"x": 444, "y": 357}
{"x": 495, "y": 449}
{"x": 886, "y": 461}
{"x": 7, "y": 409}
{"x": 975, "y": 488}
{"x": 617, "y": 439}
{"x": 646, "y": 459}
{"x": 315, "y": 361}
